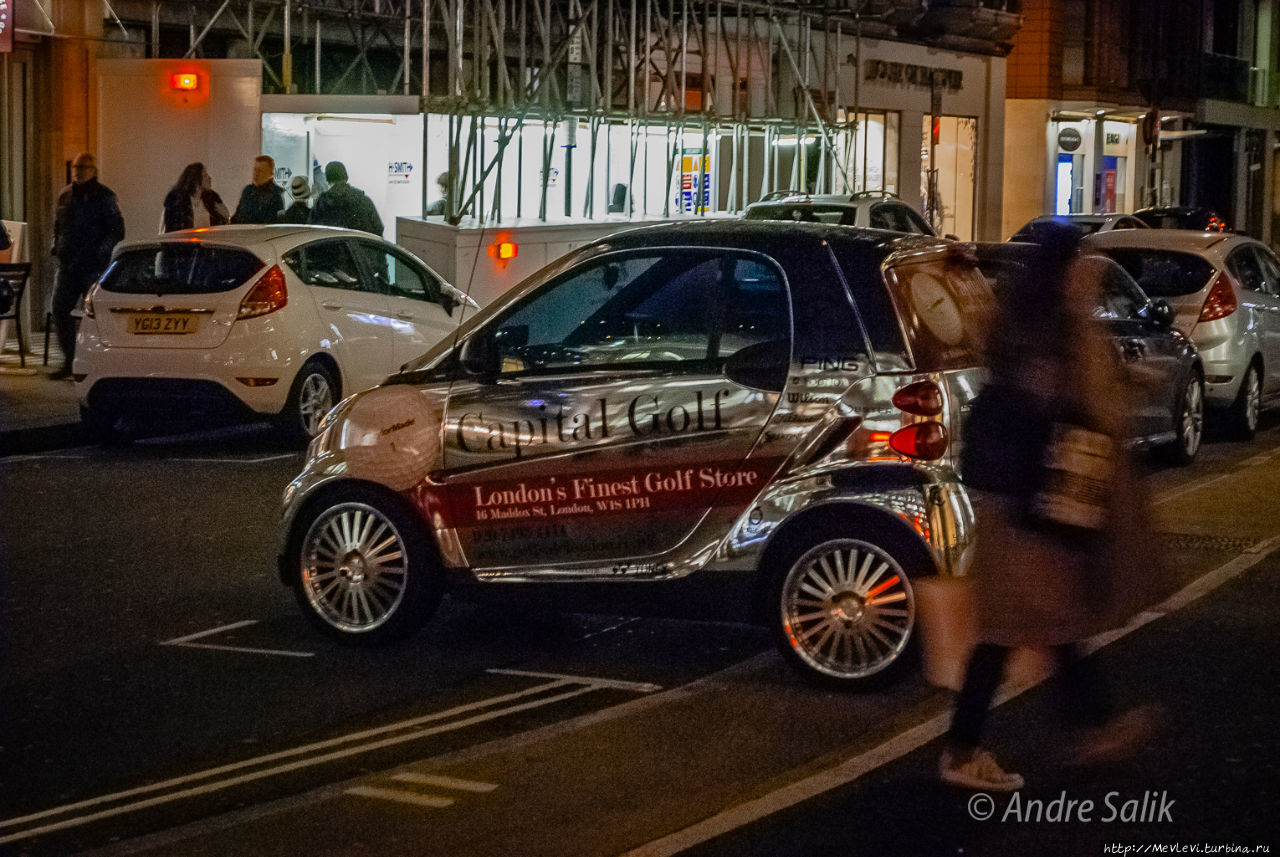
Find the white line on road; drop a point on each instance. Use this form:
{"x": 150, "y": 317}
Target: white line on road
{"x": 444, "y": 782}
{"x": 187, "y": 642}
{"x": 637, "y": 687}
{"x": 362, "y": 742}
{"x": 905, "y": 742}
{"x": 401, "y": 796}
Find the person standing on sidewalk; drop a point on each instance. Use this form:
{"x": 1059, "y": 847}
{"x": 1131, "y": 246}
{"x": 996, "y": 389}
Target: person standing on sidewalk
{"x": 86, "y": 226}
{"x": 1039, "y": 582}
{"x": 300, "y": 211}
{"x": 192, "y": 203}
{"x": 260, "y": 201}
{"x": 344, "y": 205}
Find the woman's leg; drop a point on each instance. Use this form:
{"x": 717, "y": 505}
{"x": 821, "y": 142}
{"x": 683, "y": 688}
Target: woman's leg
{"x": 981, "y": 678}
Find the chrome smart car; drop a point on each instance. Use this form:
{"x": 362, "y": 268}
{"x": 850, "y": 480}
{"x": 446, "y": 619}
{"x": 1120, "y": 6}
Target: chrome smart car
{"x": 776, "y": 402}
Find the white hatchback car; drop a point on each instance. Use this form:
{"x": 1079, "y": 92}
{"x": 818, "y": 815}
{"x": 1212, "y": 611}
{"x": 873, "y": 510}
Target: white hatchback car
{"x": 278, "y": 321}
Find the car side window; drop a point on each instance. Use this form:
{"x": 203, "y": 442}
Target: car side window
{"x": 328, "y": 264}
{"x": 1120, "y": 300}
{"x": 686, "y": 310}
{"x": 396, "y": 275}
{"x": 1270, "y": 269}
{"x": 1244, "y": 266}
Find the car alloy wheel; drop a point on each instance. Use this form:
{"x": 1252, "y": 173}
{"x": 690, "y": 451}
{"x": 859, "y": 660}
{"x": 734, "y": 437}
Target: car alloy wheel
{"x": 313, "y": 395}
{"x": 1189, "y": 423}
{"x": 1248, "y": 404}
{"x": 846, "y": 611}
{"x": 365, "y": 573}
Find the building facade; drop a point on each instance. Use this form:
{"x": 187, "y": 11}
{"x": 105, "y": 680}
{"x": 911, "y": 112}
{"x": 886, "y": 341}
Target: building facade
{"x": 1130, "y": 104}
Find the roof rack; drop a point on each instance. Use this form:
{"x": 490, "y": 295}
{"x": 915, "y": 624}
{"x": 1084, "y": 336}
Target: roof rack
{"x": 781, "y": 194}
{"x": 873, "y": 194}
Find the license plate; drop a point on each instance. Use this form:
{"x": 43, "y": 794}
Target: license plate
{"x": 170, "y": 324}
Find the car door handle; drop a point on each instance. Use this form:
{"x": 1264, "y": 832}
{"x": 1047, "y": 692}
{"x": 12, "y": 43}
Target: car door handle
{"x": 407, "y": 316}
{"x": 330, "y": 304}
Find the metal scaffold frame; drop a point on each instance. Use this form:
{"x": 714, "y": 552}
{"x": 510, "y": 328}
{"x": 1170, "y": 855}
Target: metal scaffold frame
{"x": 704, "y": 68}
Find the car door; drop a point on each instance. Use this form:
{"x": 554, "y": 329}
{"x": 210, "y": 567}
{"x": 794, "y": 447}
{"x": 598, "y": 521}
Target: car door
{"x": 1260, "y": 307}
{"x": 1269, "y": 319}
{"x": 352, "y": 308}
{"x": 1149, "y": 351}
{"x": 608, "y": 427}
{"x": 417, "y": 316}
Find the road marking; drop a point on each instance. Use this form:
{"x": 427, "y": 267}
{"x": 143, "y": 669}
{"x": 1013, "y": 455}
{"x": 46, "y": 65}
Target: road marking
{"x": 238, "y": 460}
{"x": 186, "y": 642}
{"x": 309, "y": 755}
{"x": 905, "y": 742}
{"x": 637, "y": 687}
{"x": 444, "y": 782}
{"x": 401, "y": 796}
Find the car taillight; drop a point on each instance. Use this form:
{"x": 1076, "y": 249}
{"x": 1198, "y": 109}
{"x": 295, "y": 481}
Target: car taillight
{"x": 267, "y": 295}
{"x": 923, "y": 398}
{"x": 1221, "y": 301}
{"x": 927, "y": 440}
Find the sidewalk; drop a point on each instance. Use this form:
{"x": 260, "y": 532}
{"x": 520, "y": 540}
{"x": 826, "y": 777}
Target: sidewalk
{"x": 36, "y": 412}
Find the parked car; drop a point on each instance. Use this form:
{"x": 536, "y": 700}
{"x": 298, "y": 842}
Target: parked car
{"x": 1182, "y": 217}
{"x": 772, "y": 402}
{"x": 1168, "y": 411}
{"x": 1225, "y": 292}
{"x": 1088, "y": 224}
{"x": 275, "y": 321}
{"x": 876, "y": 209}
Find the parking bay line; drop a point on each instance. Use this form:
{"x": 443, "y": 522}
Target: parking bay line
{"x": 900, "y": 745}
{"x": 187, "y": 642}
{"x": 573, "y": 687}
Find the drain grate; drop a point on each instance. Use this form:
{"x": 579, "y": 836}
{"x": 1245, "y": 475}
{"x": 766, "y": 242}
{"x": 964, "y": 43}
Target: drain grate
{"x": 1194, "y": 542}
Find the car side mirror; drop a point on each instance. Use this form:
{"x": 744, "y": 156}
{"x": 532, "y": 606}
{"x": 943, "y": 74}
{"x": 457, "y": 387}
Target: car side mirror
{"x": 1162, "y": 313}
{"x": 479, "y": 356}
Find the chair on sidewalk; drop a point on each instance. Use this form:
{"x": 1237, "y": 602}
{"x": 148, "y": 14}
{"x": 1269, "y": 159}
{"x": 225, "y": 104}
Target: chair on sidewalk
{"x": 14, "y": 275}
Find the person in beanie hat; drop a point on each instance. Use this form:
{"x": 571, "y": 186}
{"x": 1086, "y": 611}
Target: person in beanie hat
{"x": 300, "y": 210}
{"x": 344, "y": 205}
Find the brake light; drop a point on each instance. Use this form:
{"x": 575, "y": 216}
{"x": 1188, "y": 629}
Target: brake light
{"x": 927, "y": 440}
{"x": 1221, "y": 301}
{"x": 267, "y": 295}
{"x": 923, "y": 398}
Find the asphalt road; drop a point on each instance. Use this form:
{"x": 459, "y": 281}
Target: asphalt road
{"x": 162, "y": 693}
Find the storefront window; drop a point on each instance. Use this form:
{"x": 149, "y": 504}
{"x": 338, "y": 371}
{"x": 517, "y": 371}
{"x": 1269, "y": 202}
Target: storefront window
{"x": 868, "y": 151}
{"x": 948, "y": 172}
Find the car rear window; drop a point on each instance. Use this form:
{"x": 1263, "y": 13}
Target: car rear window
{"x": 946, "y": 306}
{"x": 841, "y": 215}
{"x": 1163, "y": 273}
{"x": 180, "y": 269}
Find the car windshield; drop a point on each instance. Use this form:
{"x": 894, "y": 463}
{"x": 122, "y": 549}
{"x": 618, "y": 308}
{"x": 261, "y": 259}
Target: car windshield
{"x": 1163, "y": 273}
{"x": 180, "y": 269}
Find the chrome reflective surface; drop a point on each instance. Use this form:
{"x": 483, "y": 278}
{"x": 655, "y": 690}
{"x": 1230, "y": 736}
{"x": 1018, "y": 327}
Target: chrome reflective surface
{"x": 848, "y": 608}
{"x": 354, "y": 567}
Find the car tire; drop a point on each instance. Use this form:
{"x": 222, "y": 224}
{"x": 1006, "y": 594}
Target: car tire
{"x": 1242, "y": 419}
{"x": 1188, "y": 423}
{"x": 362, "y": 567}
{"x": 843, "y": 609}
{"x": 106, "y": 427}
{"x": 313, "y": 394}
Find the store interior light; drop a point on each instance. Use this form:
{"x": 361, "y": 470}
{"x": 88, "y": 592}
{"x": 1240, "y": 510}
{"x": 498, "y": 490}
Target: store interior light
{"x": 184, "y": 81}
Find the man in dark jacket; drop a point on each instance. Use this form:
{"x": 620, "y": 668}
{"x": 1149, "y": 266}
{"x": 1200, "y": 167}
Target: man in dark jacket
{"x": 261, "y": 201}
{"x": 87, "y": 225}
{"x": 344, "y": 205}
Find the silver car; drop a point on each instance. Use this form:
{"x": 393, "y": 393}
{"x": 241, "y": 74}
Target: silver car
{"x": 874, "y": 209}
{"x": 772, "y": 403}
{"x": 1224, "y": 289}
